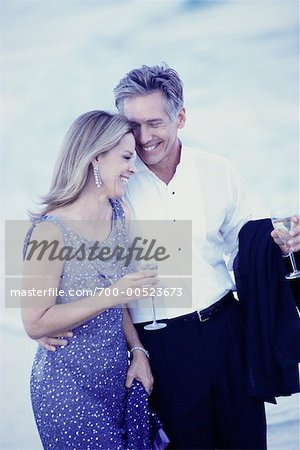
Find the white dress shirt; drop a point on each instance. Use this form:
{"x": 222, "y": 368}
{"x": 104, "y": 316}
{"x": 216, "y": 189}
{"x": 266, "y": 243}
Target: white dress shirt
{"x": 208, "y": 191}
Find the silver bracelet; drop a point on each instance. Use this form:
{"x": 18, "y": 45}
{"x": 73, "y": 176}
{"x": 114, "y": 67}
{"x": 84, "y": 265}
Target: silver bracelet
{"x": 141, "y": 349}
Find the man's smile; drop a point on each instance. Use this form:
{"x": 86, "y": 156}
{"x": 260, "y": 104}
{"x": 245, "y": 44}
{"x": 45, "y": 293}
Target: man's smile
{"x": 149, "y": 148}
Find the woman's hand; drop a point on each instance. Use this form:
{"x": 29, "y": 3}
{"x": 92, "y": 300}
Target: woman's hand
{"x": 134, "y": 286}
{"x": 139, "y": 369}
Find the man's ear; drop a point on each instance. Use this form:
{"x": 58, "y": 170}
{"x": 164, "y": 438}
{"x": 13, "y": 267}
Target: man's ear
{"x": 181, "y": 118}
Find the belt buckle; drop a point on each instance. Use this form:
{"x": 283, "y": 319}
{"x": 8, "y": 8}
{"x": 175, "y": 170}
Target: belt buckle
{"x": 201, "y": 318}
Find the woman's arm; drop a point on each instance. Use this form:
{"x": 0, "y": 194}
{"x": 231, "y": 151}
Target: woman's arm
{"x": 41, "y": 315}
{"x": 139, "y": 368}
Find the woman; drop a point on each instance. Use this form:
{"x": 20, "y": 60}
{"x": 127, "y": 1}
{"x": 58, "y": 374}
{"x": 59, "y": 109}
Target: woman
{"x": 78, "y": 393}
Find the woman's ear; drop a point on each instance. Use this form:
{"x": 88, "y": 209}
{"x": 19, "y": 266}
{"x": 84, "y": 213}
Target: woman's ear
{"x": 95, "y": 161}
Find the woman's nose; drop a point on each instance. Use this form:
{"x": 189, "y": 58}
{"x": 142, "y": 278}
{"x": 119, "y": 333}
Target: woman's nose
{"x": 132, "y": 168}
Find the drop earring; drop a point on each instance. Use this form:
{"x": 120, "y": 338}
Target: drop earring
{"x": 98, "y": 180}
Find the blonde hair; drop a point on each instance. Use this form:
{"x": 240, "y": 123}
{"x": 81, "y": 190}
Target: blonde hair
{"x": 92, "y": 133}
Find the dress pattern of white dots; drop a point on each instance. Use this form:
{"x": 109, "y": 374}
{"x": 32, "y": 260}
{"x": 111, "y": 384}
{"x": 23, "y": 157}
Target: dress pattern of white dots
{"x": 78, "y": 392}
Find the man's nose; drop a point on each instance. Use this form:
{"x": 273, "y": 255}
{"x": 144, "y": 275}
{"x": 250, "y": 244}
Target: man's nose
{"x": 145, "y": 134}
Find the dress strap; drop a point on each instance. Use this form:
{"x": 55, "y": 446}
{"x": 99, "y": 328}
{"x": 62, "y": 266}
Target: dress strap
{"x": 29, "y": 233}
{"x": 39, "y": 220}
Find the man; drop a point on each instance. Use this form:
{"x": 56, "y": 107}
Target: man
{"x": 198, "y": 360}
{"x": 200, "y": 389}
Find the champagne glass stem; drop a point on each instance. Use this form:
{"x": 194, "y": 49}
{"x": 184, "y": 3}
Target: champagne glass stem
{"x": 292, "y": 258}
{"x": 153, "y": 310}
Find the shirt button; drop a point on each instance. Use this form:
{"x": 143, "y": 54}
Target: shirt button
{"x": 173, "y": 192}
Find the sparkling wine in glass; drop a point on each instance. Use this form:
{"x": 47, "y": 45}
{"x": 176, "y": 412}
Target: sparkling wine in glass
{"x": 154, "y": 325}
{"x": 282, "y": 223}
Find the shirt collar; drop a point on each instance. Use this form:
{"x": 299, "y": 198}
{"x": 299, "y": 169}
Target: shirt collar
{"x": 140, "y": 165}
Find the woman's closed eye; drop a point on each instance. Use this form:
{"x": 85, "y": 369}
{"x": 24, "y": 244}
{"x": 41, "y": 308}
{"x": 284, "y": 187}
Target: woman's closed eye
{"x": 129, "y": 156}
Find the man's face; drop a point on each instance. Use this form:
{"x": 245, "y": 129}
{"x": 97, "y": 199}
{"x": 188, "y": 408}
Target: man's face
{"x": 154, "y": 131}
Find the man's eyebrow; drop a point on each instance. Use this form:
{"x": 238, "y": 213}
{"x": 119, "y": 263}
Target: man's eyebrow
{"x": 154, "y": 120}
{"x": 135, "y": 122}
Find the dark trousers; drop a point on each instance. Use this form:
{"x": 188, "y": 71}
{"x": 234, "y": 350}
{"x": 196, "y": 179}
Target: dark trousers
{"x": 200, "y": 389}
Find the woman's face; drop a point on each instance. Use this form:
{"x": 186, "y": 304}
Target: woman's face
{"x": 116, "y": 166}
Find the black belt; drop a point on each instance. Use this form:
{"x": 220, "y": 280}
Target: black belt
{"x": 204, "y": 314}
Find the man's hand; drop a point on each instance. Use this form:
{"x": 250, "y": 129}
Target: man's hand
{"x": 293, "y": 244}
{"x": 52, "y": 342}
{"x": 139, "y": 369}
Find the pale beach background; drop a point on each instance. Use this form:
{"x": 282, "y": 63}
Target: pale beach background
{"x": 239, "y": 63}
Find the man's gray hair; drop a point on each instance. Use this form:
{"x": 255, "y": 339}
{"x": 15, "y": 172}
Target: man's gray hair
{"x": 148, "y": 79}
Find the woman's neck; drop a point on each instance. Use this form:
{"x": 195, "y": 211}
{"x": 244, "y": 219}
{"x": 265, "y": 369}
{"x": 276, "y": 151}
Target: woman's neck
{"x": 89, "y": 205}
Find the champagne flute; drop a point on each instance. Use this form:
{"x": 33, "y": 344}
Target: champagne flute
{"x": 282, "y": 223}
{"x": 154, "y": 325}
